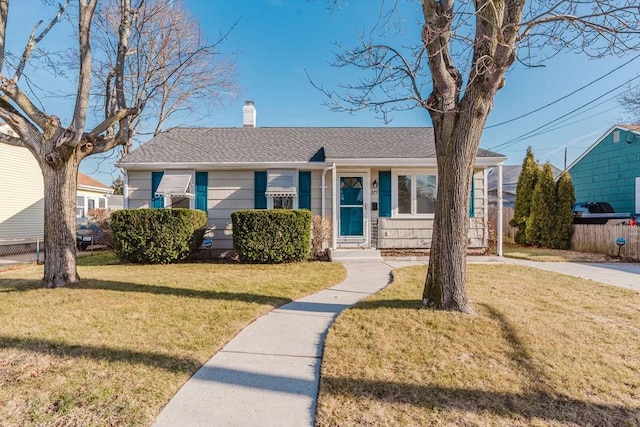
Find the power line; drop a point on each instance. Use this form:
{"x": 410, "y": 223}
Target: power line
{"x": 565, "y": 96}
{"x": 532, "y": 133}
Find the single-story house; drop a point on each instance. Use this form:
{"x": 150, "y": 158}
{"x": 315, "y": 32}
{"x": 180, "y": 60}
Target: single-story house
{"x": 377, "y": 186}
{"x": 609, "y": 170}
{"x": 510, "y": 175}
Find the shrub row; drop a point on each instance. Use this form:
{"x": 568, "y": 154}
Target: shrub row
{"x": 272, "y": 236}
{"x": 157, "y": 236}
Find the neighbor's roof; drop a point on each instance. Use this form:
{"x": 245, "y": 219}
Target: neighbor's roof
{"x": 281, "y": 145}
{"x": 631, "y": 128}
{"x": 510, "y": 175}
{"x": 87, "y": 181}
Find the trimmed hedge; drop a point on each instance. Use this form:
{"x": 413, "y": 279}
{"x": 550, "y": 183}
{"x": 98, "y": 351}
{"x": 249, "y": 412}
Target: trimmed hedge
{"x": 157, "y": 236}
{"x": 272, "y": 236}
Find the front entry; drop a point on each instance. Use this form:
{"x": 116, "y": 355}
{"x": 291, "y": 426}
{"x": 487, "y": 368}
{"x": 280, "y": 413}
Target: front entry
{"x": 352, "y": 206}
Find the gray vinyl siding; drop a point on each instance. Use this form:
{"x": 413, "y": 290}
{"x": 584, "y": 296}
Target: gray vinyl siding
{"x": 139, "y": 194}
{"x": 229, "y": 191}
{"x": 21, "y": 195}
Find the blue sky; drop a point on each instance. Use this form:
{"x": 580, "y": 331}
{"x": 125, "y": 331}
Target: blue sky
{"x": 276, "y": 41}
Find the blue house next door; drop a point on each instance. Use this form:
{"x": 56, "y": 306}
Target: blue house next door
{"x": 351, "y": 206}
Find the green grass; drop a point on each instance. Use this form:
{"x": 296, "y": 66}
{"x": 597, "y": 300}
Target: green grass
{"x": 115, "y": 348}
{"x": 542, "y": 349}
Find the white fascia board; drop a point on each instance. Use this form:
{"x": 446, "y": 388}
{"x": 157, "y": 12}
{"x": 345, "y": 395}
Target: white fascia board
{"x": 489, "y": 162}
{"x": 95, "y": 189}
{"x": 411, "y": 163}
{"x": 222, "y": 166}
{"x": 383, "y": 162}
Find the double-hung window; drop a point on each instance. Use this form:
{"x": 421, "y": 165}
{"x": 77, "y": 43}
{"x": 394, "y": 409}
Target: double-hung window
{"x": 414, "y": 193}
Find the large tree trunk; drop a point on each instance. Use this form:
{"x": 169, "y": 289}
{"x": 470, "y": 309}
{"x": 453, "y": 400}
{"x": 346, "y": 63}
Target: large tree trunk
{"x": 60, "y": 224}
{"x": 457, "y": 141}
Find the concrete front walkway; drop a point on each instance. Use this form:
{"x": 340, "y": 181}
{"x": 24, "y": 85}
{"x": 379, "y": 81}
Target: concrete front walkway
{"x": 268, "y": 375}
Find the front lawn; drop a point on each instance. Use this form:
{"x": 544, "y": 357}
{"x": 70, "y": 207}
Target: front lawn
{"x": 115, "y": 348}
{"x": 531, "y": 253}
{"x": 542, "y": 349}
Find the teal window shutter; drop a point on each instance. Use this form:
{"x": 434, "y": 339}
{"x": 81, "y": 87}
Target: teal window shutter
{"x": 260, "y": 187}
{"x": 472, "y": 202}
{"x": 156, "y": 202}
{"x": 304, "y": 190}
{"x": 384, "y": 186}
{"x": 202, "y": 185}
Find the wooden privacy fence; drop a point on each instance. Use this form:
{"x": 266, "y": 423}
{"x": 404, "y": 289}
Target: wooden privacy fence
{"x": 602, "y": 239}
{"x": 508, "y": 232}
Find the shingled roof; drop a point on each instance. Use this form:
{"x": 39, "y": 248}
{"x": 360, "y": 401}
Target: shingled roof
{"x": 286, "y": 144}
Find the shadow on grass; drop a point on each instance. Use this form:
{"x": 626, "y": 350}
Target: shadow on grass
{"x": 110, "y": 354}
{"x": 528, "y": 406}
{"x": 389, "y": 303}
{"x": 20, "y": 285}
{"x": 520, "y": 355}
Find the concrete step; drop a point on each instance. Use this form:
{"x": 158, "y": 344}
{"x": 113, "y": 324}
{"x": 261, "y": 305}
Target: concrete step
{"x": 355, "y": 255}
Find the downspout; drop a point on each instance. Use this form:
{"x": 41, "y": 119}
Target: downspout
{"x": 125, "y": 189}
{"x": 500, "y": 219}
{"x": 324, "y": 186}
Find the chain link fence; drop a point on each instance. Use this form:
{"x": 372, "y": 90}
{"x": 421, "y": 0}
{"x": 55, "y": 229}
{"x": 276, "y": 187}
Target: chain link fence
{"x": 21, "y": 250}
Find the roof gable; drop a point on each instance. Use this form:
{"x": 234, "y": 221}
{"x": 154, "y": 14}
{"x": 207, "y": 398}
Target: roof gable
{"x": 629, "y": 128}
{"x": 87, "y": 181}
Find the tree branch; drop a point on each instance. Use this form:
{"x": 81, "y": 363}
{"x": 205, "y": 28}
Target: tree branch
{"x": 11, "y": 89}
{"x": 33, "y": 40}
{"x": 78, "y": 122}
{"x": 119, "y": 115}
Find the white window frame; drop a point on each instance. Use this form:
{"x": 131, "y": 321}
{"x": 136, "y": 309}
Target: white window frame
{"x": 81, "y": 210}
{"x": 294, "y": 174}
{"x": 414, "y": 204}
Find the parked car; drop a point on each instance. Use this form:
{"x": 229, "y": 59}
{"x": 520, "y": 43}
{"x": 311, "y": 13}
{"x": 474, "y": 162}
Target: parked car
{"x": 596, "y": 213}
{"x": 88, "y": 233}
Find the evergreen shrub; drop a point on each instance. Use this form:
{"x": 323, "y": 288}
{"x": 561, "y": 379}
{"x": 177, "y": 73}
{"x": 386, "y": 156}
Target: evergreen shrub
{"x": 157, "y": 236}
{"x": 272, "y": 236}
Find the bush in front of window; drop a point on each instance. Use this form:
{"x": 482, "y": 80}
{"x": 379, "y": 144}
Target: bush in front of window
{"x": 157, "y": 236}
{"x": 272, "y": 236}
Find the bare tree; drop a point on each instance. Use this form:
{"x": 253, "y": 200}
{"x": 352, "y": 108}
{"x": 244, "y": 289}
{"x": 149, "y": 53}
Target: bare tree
{"x": 171, "y": 71}
{"x": 59, "y": 148}
{"x": 630, "y": 100}
{"x": 454, "y": 72}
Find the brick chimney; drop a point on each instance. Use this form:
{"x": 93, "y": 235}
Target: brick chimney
{"x": 248, "y": 115}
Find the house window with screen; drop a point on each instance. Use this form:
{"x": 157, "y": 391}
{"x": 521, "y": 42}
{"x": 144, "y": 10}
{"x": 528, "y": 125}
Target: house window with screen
{"x": 415, "y": 193}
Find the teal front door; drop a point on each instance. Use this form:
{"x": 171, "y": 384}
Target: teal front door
{"x": 351, "y": 206}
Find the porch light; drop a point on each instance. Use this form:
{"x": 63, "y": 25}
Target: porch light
{"x": 375, "y": 184}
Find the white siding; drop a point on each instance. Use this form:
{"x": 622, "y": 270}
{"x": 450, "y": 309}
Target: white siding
{"x": 229, "y": 191}
{"x": 21, "y": 194}
{"x": 316, "y": 193}
{"x": 139, "y": 193}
